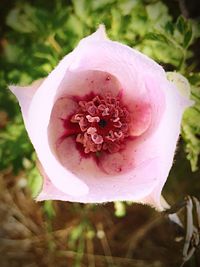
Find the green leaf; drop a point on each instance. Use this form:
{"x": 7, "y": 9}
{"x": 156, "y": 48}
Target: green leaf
{"x": 158, "y": 14}
{"x": 49, "y": 209}
{"x": 21, "y": 19}
{"x": 157, "y": 37}
{"x": 185, "y": 31}
{"x": 75, "y": 25}
{"x": 194, "y": 79}
{"x": 12, "y": 52}
{"x": 35, "y": 181}
{"x": 127, "y": 6}
{"x": 181, "y": 25}
{"x": 120, "y": 208}
{"x": 192, "y": 146}
{"x": 169, "y": 28}
{"x": 95, "y": 5}
{"x": 76, "y": 232}
{"x": 187, "y": 38}
{"x": 81, "y": 8}
{"x": 14, "y": 145}
{"x": 191, "y": 125}
{"x": 116, "y": 22}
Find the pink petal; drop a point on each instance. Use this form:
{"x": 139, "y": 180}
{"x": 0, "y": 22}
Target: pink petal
{"x": 141, "y": 118}
{"x": 163, "y": 141}
{"x": 37, "y": 121}
{"x": 25, "y": 94}
{"x": 81, "y": 83}
{"x": 128, "y": 65}
{"x": 107, "y": 188}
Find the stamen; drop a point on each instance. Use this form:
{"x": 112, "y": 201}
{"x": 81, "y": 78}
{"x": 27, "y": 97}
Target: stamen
{"x": 92, "y": 110}
{"x": 103, "y": 123}
{"x": 91, "y": 130}
{"x": 97, "y": 139}
{"x": 92, "y": 119}
{"x": 105, "y": 112}
{"x": 118, "y": 134}
{"x": 118, "y": 124}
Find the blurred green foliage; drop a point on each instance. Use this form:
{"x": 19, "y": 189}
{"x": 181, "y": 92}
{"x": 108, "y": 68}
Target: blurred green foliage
{"x": 36, "y": 36}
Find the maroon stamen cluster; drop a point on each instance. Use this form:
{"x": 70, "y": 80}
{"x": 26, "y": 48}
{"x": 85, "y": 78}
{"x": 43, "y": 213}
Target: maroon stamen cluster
{"x": 103, "y": 122}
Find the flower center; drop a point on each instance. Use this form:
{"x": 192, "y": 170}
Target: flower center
{"x": 103, "y": 124}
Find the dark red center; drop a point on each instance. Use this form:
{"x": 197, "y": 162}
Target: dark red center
{"x": 103, "y": 124}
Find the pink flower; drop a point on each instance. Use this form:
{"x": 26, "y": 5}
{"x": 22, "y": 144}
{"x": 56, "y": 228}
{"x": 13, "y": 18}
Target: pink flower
{"x": 104, "y": 124}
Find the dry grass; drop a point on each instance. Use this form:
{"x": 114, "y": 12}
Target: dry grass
{"x": 81, "y": 235}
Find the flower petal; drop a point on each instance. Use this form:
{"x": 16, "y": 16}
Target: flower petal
{"x": 36, "y": 116}
{"x": 25, "y": 94}
{"x": 108, "y": 188}
{"x": 126, "y": 64}
{"x": 163, "y": 141}
{"x": 181, "y": 83}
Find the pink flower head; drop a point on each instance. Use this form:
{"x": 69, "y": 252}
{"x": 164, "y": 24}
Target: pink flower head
{"x": 104, "y": 124}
